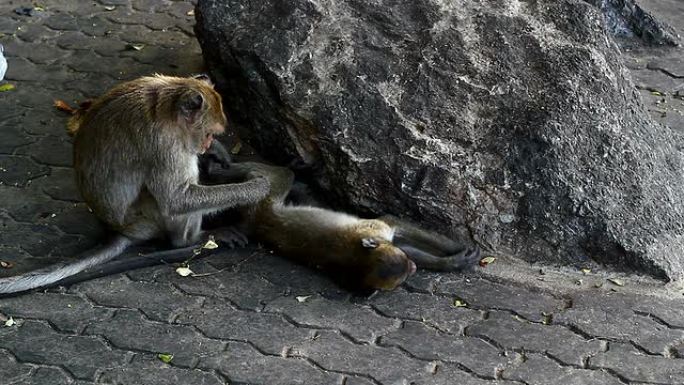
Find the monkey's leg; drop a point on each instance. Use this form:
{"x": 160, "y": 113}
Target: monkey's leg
{"x": 406, "y": 233}
{"x": 455, "y": 262}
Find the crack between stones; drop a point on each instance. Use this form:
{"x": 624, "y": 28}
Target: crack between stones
{"x": 657, "y": 319}
{"x": 35, "y": 366}
{"x": 402, "y": 320}
{"x": 459, "y": 365}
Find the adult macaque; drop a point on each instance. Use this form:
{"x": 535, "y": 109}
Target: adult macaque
{"x": 135, "y": 155}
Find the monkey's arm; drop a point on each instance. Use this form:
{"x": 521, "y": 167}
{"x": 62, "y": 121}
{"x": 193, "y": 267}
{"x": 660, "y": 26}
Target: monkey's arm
{"x": 280, "y": 178}
{"x": 194, "y": 198}
{"x": 430, "y": 250}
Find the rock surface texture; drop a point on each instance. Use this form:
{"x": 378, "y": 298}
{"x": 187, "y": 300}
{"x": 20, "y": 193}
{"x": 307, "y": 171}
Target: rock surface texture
{"x": 510, "y": 123}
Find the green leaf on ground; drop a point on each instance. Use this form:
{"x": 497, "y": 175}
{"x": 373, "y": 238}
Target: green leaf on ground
{"x": 7, "y": 87}
{"x": 165, "y": 358}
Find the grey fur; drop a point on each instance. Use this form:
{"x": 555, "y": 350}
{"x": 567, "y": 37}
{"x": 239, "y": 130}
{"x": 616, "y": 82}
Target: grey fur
{"x": 56, "y": 273}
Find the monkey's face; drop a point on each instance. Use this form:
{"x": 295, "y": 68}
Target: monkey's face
{"x": 388, "y": 266}
{"x": 201, "y": 113}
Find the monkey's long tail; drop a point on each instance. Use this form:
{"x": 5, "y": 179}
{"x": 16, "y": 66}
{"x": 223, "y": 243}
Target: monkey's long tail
{"x": 55, "y": 273}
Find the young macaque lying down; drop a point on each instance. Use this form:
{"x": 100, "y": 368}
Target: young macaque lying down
{"x": 361, "y": 254}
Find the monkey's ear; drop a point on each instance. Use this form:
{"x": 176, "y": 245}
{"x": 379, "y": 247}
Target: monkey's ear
{"x": 205, "y": 78}
{"x": 369, "y": 243}
{"x": 191, "y": 104}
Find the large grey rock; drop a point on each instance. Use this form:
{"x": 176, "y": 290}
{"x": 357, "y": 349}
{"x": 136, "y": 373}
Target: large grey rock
{"x": 626, "y": 18}
{"x": 513, "y": 123}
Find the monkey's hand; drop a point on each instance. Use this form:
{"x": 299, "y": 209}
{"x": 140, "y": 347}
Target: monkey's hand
{"x": 258, "y": 185}
{"x": 464, "y": 260}
{"x": 217, "y": 153}
{"x": 231, "y": 237}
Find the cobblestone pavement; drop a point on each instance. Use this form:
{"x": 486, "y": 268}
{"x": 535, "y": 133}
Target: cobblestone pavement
{"x": 252, "y": 318}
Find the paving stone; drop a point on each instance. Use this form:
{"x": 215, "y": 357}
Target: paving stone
{"x": 68, "y": 313}
{"x": 40, "y": 53}
{"x": 385, "y": 365}
{"x": 11, "y": 134}
{"x": 36, "y": 100}
{"x": 181, "y": 10}
{"x": 19, "y": 259}
{"x": 248, "y": 291}
{"x": 11, "y": 371}
{"x": 73, "y": 247}
{"x": 672, "y": 65}
{"x": 295, "y": 279}
{"x": 353, "y": 380}
{"x": 170, "y": 61}
{"x": 76, "y": 40}
{"x": 91, "y": 86}
{"x": 89, "y": 61}
{"x": 538, "y": 370}
{"x": 433, "y": 310}
{"x": 78, "y": 220}
{"x": 36, "y": 240}
{"x": 82, "y": 356}
{"x": 612, "y": 321}
{"x": 241, "y": 363}
{"x": 636, "y": 367}
{"x": 49, "y": 376}
{"x": 29, "y": 204}
{"x": 114, "y": 2}
{"x": 656, "y": 81}
{"x": 151, "y": 371}
{"x": 8, "y": 26}
{"x": 46, "y": 119}
{"x": 62, "y": 22}
{"x": 429, "y": 344}
{"x": 147, "y": 6}
{"x": 269, "y": 332}
{"x": 446, "y": 374}
{"x": 18, "y": 170}
{"x": 521, "y": 335}
{"x": 50, "y": 150}
{"x": 34, "y": 32}
{"x": 130, "y": 331}
{"x": 356, "y": 321}
{"x": 679, "y": 350}
{"x": 482, "y": 294}
{"x": 59, "y": 185}
{"x": 665, "y": 309}
{"x": 139, "y": 21}
{"x": 46, "y": 76}
{"x": 158, "y": 301}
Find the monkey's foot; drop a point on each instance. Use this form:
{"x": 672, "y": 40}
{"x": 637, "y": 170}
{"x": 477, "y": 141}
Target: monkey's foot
{"x": 231, "y": 237}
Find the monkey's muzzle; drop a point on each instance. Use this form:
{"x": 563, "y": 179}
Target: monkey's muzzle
{"x": 206, "y": 143}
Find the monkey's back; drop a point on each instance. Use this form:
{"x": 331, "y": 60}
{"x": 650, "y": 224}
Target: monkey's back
{"x": 111, "y": 156}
